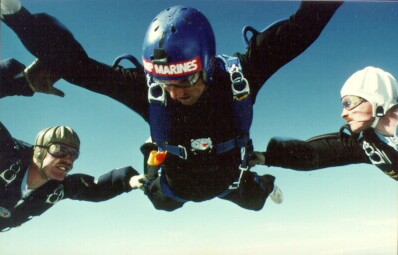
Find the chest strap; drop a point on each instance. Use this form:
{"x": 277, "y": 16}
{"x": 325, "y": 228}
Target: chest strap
{"x": 183, "y": 152}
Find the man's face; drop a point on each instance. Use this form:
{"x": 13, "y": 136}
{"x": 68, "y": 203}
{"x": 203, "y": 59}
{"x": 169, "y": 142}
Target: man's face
{"x": 186, "y": 95}
{"x": 57, "y": 168}
{"x": 58, "y": 163}
{"x": 358, "y": 113}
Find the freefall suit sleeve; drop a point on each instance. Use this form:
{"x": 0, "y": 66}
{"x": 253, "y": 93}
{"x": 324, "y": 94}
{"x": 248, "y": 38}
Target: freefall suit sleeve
{"x": 278, "y": 44}
{"x": 335, "y": 149}
{"x": 66, "y": 57}
{"x": 109, "y": 185}
{"x": 12, "y": 79}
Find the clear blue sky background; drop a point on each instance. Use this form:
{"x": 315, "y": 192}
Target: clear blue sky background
{"x": 348, "y": 210}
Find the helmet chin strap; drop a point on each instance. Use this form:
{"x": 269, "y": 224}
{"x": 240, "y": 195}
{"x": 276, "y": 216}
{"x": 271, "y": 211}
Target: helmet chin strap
{"x": 375, "y": 122}
{"x": 42, "y": 173}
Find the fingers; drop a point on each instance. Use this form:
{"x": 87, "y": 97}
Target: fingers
{"x": 42, "y": 79}
{"x": 257, "y": 159}
{"x": 56, "y": 92}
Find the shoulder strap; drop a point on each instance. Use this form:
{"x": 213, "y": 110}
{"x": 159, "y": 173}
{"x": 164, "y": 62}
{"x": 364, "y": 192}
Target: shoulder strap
{"x": 128, "y": 57}
{"x": 159, "y": 114}
{"x": 242, "y": 102}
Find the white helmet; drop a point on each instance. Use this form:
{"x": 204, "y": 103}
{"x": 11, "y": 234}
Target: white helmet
{"x": 376, "y": 86}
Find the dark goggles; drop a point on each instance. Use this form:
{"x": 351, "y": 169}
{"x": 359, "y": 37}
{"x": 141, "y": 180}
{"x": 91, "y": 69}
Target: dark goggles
{"x": 187, "y": 82}
{"x": 59, "y": 150}
{"x": 350, "y": 102}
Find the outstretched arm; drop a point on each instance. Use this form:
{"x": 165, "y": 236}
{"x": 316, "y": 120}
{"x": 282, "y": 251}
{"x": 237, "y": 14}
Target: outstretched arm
{"x": 56, "y": 47}
{"x": 109, "y": 185}
{"x": 16, "y": 80}
{"x": 335, "y": 149}
{"x": 283, "y": 41}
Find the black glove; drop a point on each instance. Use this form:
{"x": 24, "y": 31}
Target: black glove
{"x": 12, "y": 79}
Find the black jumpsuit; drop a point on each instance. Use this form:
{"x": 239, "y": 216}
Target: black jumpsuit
{"x": 205, "y": 176}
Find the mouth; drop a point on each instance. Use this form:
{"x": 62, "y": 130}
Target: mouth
{"x": 184, "y": 98}
{"x": 64, "y": 168}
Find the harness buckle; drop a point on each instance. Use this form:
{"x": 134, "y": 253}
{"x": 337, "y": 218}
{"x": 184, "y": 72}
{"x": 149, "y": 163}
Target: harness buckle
{"x": 234, "y": 185}
{"x": 242, "y": 168}
{"x": 156, "y": 92}
{"x": 10, "y": 174}
{"x": 240, "y": 85}
{"x": 57, "y": 195}
{"x": 183, "y": 152}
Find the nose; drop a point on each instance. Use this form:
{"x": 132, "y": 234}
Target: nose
{"x": 69, "y": 158}
{"x": 344, "y": 113}
{"x": 175, "y": 92}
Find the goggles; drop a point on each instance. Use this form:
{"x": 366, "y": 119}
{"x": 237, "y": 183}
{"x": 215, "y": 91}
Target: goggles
{"x": 59, "y": 150}
{"x": 350, "y": 102}
{"x": 187, "y": 82}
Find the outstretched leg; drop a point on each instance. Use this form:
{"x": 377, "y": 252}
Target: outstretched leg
{"x": 253, "y": 191}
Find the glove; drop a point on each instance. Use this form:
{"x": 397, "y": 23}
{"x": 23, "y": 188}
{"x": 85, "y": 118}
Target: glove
{"x": 257, "y": 158}
{"x": 10, "y": 68}
{"x": 41, "y": 79}
{"x": 9, "y": 7}
{"x": 12, "y": 79}
{"x": 137, "y": 181}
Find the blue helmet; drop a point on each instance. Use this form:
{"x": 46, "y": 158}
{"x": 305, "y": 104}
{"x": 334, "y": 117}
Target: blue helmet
{"x": 179, "y": 43}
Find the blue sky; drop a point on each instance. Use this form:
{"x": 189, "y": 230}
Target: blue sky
{"x": 343, "y": 210}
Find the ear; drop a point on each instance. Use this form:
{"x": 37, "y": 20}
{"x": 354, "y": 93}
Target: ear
{"x": 39, "y": 154}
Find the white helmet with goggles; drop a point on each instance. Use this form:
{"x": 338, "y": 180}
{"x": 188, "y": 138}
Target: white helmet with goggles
{"x": 376, "y": 86}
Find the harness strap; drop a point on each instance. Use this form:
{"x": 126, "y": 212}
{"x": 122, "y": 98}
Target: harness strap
{"x": 131, "y": 58}
{"x": 242, "y": 111}
{"x": 245, "y": 153}
{"x": 166, "y": 189}
{"x": 182, "y": 152}
{"x": 177, "y": 150}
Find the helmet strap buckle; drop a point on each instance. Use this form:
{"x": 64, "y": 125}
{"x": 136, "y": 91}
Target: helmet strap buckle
{"x": 379, "y": 111}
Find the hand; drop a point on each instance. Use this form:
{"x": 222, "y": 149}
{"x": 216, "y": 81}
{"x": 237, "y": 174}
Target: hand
{"x": 10, "y": 68}
{"x": 41, "y": 79}
{"x": 9, "y": 7}
{"x": 257, "y": 159}
{"x": 137, "y": 181}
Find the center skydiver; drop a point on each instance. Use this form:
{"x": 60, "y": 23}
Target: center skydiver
{"x": 198, "y": 104}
